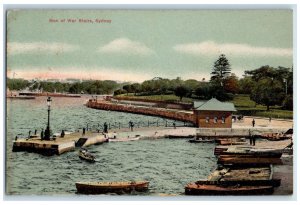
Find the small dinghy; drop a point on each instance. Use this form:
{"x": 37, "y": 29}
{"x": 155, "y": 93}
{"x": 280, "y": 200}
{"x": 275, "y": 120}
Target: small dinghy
{"x": 85, "y": 155}
{"x": 203, "y": 189}
{"x": 111, "y": 187}
{"x": 123, "y": 139}
{"x": 201, "y": 140}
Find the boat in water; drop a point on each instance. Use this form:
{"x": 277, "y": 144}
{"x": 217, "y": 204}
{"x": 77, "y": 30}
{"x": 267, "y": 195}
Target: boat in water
{"x": 204, "y": 189}
{"x": 123, "y": 139}
{"x": 201, "y": 140}
{"x": 236, "y": 181}
{"x": 111, "y": 187}
{"x": 85, "y": 155}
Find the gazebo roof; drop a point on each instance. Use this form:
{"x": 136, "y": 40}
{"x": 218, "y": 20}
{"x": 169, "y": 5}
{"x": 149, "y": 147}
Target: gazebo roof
{"x": 214, "y": 105}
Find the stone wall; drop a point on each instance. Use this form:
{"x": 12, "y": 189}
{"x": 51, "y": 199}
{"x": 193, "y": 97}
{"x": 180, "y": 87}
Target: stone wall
{"x": 176, "y": 115}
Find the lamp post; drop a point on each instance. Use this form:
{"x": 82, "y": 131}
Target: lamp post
{"x": 47, "y": 131}
{"x": 285, "y": 81}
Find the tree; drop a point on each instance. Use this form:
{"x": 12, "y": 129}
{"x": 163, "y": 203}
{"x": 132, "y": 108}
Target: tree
{"x": 181, "y": 91}
{"x": 221, "y": 69}
{"x": 268, "y": 92}
{"x": 288, "y": 103}
{"x": 127, "y": 88}
{"x": 246, "y": 85}
{"x": 231, "y": 84}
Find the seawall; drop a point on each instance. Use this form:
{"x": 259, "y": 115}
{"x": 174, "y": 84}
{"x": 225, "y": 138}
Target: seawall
{"x": 171, "y": 114}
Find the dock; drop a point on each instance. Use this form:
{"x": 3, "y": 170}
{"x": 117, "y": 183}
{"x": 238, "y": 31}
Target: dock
{"x": 58, "y": 145}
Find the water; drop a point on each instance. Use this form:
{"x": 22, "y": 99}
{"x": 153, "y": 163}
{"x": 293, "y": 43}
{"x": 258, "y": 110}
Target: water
{"x": 169, "y": 164}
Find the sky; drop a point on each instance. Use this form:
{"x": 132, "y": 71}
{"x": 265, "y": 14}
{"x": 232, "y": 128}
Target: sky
{"x": 128, "y": 45}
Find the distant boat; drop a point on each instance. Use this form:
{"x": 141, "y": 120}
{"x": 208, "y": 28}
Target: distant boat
{"x": 85, "y": 155}
{"x": 50, "y": 94}
{"x": 123, "y": 139}
{"x": 200, "y": 140}
{"x": 111, "y": 187}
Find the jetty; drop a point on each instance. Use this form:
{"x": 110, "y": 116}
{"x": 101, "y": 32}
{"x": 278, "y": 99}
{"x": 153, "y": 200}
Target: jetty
{"x": 181, "y": 115}
{"x": 58, "y": 145}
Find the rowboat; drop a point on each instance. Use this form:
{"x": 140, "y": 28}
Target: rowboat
{"x": 203, "y": 189}
{"x": 247, "y": 160}
{"x": 201, "y": 140}
{"x": 85, "y": 155}
{"x": 111, "y": 187}
{"x": 123, "y": 139}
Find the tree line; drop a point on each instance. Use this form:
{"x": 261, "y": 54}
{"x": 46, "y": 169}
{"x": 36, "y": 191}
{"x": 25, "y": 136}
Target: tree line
{"x": 266, "y": 85}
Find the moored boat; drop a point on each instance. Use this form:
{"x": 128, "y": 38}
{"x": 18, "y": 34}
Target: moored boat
{"x": 206, "y": 189}
{"x": 123, "y": 139}
{"x": 85, "y": 155}
{"x": 201, "y": 140}
{"x": 111, "y": 187}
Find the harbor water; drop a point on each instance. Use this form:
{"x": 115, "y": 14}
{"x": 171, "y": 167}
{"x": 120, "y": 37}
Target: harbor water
{"x": 168, "y": 164}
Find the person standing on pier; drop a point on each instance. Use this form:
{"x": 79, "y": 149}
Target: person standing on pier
{"x": 29, "y": 133}
{"x": 131, "y": 125}
{"x": 253, "y": 122}
{"x": 83, "y": 131}
{"x": 62, "y": 133}
{"x": 42, "y": 134}
{"x": 253, "y": 140}
{"x": 174, "y": 125}
{"x": 35, "y": 131}
{"x": 105, "y": 128}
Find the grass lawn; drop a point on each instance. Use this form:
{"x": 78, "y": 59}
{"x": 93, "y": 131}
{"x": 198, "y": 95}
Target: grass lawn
{"x": 247, "y": 107}
{"x": 243, "y": 104}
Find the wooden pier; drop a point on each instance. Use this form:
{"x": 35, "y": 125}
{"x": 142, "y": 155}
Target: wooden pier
{"x": 59, "y": 145}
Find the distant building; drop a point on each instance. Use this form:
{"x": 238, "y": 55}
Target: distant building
{"x": 213, "y": 114}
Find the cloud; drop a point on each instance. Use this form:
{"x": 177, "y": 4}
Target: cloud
{"x": 95, "y": 73}
{"x": 14, "y": 48}
{"x": 126, "y": 46}
{"x": 212, "y": 48}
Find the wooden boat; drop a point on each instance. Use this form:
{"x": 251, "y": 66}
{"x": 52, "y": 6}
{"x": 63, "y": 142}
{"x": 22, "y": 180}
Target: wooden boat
{"x": 276, "y": 136}
{"x": 249, "y": 152}
{"x": 85, "y": 155}
{"x": 203, "y": 189}
{"x": 201, "y": 140}
{"x": 245, "y": 160}
{"x": 111, "y": 187}
{"x": 123, "y": 139}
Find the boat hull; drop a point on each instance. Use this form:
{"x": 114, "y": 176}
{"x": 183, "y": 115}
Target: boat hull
{"x": 201, "y": 141}
{"x": 197, "y": 189}
{"x": 113, "y": 187}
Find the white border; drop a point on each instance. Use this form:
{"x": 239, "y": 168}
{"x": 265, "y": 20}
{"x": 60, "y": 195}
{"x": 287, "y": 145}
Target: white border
{"x": 160, "y": 4}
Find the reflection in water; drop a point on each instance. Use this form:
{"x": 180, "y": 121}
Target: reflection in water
{"x": 167, "y": 164}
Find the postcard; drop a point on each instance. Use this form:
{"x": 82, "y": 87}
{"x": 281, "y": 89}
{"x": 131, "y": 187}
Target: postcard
{"x": 149, "y": 103}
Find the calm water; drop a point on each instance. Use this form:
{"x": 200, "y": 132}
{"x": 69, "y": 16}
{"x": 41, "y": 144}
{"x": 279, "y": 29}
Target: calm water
{"x": 168, "y": 164}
